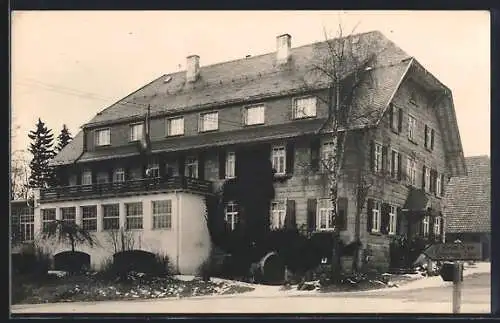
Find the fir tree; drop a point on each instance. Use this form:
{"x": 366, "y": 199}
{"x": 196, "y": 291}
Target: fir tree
{"x": 63, "y": 139}
{"x": 41, "y": 147}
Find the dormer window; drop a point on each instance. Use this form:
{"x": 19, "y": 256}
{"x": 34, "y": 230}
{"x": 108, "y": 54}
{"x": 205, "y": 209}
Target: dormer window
{"x": 304, "y": 107}
{"x": 102, "y": 137}
{"x": 175, "y": 126}
{"x": 209, "y": 121}
{"x": 254, "y": 115}
{"x": 135, "y": 132}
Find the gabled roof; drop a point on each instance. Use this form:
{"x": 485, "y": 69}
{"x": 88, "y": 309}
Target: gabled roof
{"x": 71, "y": 152}
{"x": 468, "y": 198}
{"x": 259, "y": 77}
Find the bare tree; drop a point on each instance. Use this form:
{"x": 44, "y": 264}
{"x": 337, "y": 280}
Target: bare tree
{"x": 342, "y": 66}
{"x": 20, "y": 173}
{"x": 121, "y": 240}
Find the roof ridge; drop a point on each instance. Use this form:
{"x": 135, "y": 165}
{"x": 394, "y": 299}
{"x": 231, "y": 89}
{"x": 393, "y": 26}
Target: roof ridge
{"x": 292, "y": 48}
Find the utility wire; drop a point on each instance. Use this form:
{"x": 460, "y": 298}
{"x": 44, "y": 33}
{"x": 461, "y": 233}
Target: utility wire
{"x": 93, "y": 96}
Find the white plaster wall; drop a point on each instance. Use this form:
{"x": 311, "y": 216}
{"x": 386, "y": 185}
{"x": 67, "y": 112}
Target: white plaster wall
{"x": 195, "y": 242}
{"x": 188, "y": 207}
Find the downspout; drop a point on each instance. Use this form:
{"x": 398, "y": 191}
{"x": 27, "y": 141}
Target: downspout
{"x": 178, "y": 204}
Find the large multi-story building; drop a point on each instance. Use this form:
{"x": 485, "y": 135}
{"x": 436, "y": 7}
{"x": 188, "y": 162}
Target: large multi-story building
{"x": 402, "y": 148}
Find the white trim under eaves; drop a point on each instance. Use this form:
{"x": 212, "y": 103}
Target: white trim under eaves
{"x": 410, "y": 63}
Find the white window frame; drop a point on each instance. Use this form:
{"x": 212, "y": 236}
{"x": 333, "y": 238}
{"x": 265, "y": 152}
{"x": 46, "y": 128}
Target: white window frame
{"x": 89, "y": 219}
{"x": 191, "y": 162}
{"x": 278, "y": 159}
{"x": 154, "y": 170}
{"x": 48, "y": 216}
{"x": 231, "y": 214}
{"x": 327, "y": 150}
{"x": 311, "y": 109}
{"x": 162, "y": 214}
{"x": 101, "y": 139}
{"x": 135, "y": 132}
{"x": 394, "y": 164}
{"x": 205, "y": 120}
{"x": 172, "y": 125}
{"x": 393, "y": 219}
{"x": 427, "y": 177}
{"x": 412, "y": 171}
{"x": 256, "y": 118}
{"x": 134, "y": 220}
{"x": 412, "y": 127}
{"x": 119, "y": 175}
{"x": 27, "y": 227}
{"x": 65, "y": 216}
{"x": 87, "y": 177}
{"x": 278, "y": 215}
{"x": 111, "y": 217}
{"x": 437, "y": 225}
{"x": 376, "y": 216}
{"x": 426, "y": 222}
{"x": 230, "y": 165}
{"x": 377, "y": 157}
{"x": 324, "y": 208}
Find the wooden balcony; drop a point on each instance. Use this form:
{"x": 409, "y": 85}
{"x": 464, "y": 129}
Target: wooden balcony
{"x": 127, "y": 188}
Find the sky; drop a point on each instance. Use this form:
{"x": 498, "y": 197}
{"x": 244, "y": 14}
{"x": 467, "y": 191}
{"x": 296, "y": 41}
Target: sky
{"x": 68, "y": 65}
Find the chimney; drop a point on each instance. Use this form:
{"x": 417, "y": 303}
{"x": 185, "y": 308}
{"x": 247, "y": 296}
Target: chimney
{"x": 283, "y": 45}
{"x": 193, "y": 68}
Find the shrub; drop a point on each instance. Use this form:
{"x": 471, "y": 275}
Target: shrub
{"x": 404, "y": 251}
{"x": 31, "y": 261}
{"x": 125, "y": 263}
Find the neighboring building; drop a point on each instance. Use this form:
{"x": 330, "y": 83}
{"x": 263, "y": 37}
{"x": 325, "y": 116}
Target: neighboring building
{"x": 468, "y": 205}
{"x": 205, "y": 121}
{"x": 22, "y": 224}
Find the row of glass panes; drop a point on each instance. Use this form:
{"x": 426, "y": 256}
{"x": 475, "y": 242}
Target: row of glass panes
{"x": 161, "y": 216}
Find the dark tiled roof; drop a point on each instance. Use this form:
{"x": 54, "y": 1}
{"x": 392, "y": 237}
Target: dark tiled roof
{"x": 468, "y": 198}
{"x": 214, "y": 139}
{"x": 245, "y": 79}
{"x": 70, "y": 152}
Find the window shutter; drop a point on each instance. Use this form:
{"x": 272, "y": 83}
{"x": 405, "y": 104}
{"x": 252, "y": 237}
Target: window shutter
{"x": 399, "y": 218}
{"x": 423, "y": 177}
{"x": 434, "y": 176}
{"x": 400, "y": 166}
{"x": 400, "y": 120}
{"x": 222, "y": 164}
{"x": 441, "y": 226}
{"x": 311, "y": 214}
{"x": 421, "y": 227}
{"x": 431, "y": 227}
{"x": 201, "y": 165}
{"x": 369, "y": 215}
{"x": 290, "y": 153}
{"x": 385, "y": 160}
{"x": 442, "y": 185}
{"x": 426, "y": 137}
{"x": 384, "y": 219}
{"x": 391, "y": 117}
{"x": 182, "y": 161}
{"x": 432, "y": 139}
{"x": 315, "y": 154}
{"x": 372, "y": 155}
{"x": 341, "y": 222}
{"x": 290, "y": 222}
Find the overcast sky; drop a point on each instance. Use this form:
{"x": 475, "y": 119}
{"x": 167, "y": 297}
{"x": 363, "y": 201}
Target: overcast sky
{"x": 68, "y": 65}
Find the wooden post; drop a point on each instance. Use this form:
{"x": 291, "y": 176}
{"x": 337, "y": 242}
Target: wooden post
{"x": 457, "y": 286}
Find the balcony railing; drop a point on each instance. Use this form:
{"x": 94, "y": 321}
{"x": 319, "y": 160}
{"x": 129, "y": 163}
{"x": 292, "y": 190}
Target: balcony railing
{"x": 124, "y": 188}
